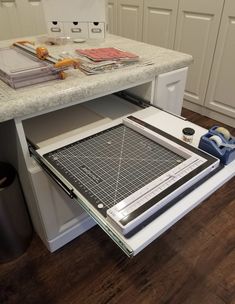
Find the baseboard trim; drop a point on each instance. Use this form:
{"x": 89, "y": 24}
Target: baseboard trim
{"x": 209, "y": 113}
{"x": 70, "y": 234}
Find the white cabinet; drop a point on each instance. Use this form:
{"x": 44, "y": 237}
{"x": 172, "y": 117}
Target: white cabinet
{"x": 160, "y": 22}
{"x": 112, "y": 16}
{"x": 203, "y": 29}
{"x": 61, "y": 219}
{"x": 58, "y": 218}
{"x": 169, "y": 88}
{"x": 20, "y": 18}
{"x": 165, "y": 92}
{"x": 9, "y": 20}
{"x": 130, "y": 18}
{"x": 32, "y": 17}
{"x": 221, "y": 90}
{"x": 196, "y": 34}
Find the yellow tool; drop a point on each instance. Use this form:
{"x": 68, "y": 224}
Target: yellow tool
{"x": 42, "y": 52}
{"x": 67, "y": 62}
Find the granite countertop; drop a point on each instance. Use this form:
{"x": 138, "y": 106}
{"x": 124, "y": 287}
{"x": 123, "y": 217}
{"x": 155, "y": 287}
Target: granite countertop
{"x": 77, "y": 86}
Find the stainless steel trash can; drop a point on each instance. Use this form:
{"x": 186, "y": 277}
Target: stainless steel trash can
{"x": 15, "y": 225}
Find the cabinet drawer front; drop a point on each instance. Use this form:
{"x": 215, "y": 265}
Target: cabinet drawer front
{"x": 76, "y": 29}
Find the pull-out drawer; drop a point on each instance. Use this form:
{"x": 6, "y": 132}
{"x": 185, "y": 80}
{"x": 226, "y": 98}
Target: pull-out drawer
{"x": 128, "y": 174}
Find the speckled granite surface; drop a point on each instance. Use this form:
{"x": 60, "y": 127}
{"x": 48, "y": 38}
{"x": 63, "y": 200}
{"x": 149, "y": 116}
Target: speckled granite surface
{"x": 79, "y": 87}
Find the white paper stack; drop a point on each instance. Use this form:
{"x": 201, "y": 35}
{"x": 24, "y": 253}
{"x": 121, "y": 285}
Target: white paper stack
{"x": 19, "y": 69}
{"x": 101, "y": 60}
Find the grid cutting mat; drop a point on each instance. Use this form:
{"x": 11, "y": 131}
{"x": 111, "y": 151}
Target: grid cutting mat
{"x": 111, "y": 165}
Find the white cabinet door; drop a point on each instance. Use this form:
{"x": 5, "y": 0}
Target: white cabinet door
{"x": 196, "y": 34}
{"x": 160, "y": 22}
{"x": 112, "y": 16}
{"x": 221, "y": 90}
{"x": 10, "y": 26}
{"x": 61, "y": 219}
{"x": 32, "y": 17}
{"x": 169, "y": 90}
{"x": 19, "y": 18}
{"x": 130, "y": 16}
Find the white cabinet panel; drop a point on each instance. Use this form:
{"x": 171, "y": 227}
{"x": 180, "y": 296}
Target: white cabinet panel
{"x": 58, "y": 211}
{"x": 112, "y": 16}
{"x": 10, "y": 25}
{"x": 20, "y": 18}
{"x": 160, "y": 22}
{"x": 130, "y": 16}
{"x": 32, "y": 17}
{"x": 169, "y": 90}
{"x": 221, "y": 90}
{"x": 197, "y": 28}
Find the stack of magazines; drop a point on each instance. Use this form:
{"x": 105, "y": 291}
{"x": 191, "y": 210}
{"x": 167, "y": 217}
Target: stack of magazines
{"x": 100, "y": 60}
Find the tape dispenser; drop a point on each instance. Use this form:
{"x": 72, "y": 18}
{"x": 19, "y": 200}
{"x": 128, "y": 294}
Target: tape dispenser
{"x": 219, "y": 142}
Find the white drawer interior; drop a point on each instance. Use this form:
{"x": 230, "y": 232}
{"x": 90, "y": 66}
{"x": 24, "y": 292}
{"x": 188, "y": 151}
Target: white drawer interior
{"x": 55, "y": 126}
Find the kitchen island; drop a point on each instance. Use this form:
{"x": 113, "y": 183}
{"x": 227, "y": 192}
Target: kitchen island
{"x": 78, "y": 87}
{"x": 46, "y": 114}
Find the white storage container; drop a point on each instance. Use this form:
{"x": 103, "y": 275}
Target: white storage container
{"x": 73, "y": 18}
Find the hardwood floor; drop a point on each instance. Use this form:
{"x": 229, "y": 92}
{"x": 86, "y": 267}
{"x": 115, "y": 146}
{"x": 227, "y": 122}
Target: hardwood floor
{"x": 192, "y": 263}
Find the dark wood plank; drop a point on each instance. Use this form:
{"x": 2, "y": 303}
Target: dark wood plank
{"x": 192, "y": 263}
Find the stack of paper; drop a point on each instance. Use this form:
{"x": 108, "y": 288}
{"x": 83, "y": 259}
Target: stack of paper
{"x": 19, "y": 69}
{"x": 104, "y": 54}
{"x": 101, "y": 60}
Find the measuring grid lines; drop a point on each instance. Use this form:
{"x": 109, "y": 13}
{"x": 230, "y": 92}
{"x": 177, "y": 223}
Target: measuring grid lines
{"x": 111, "y": 165}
